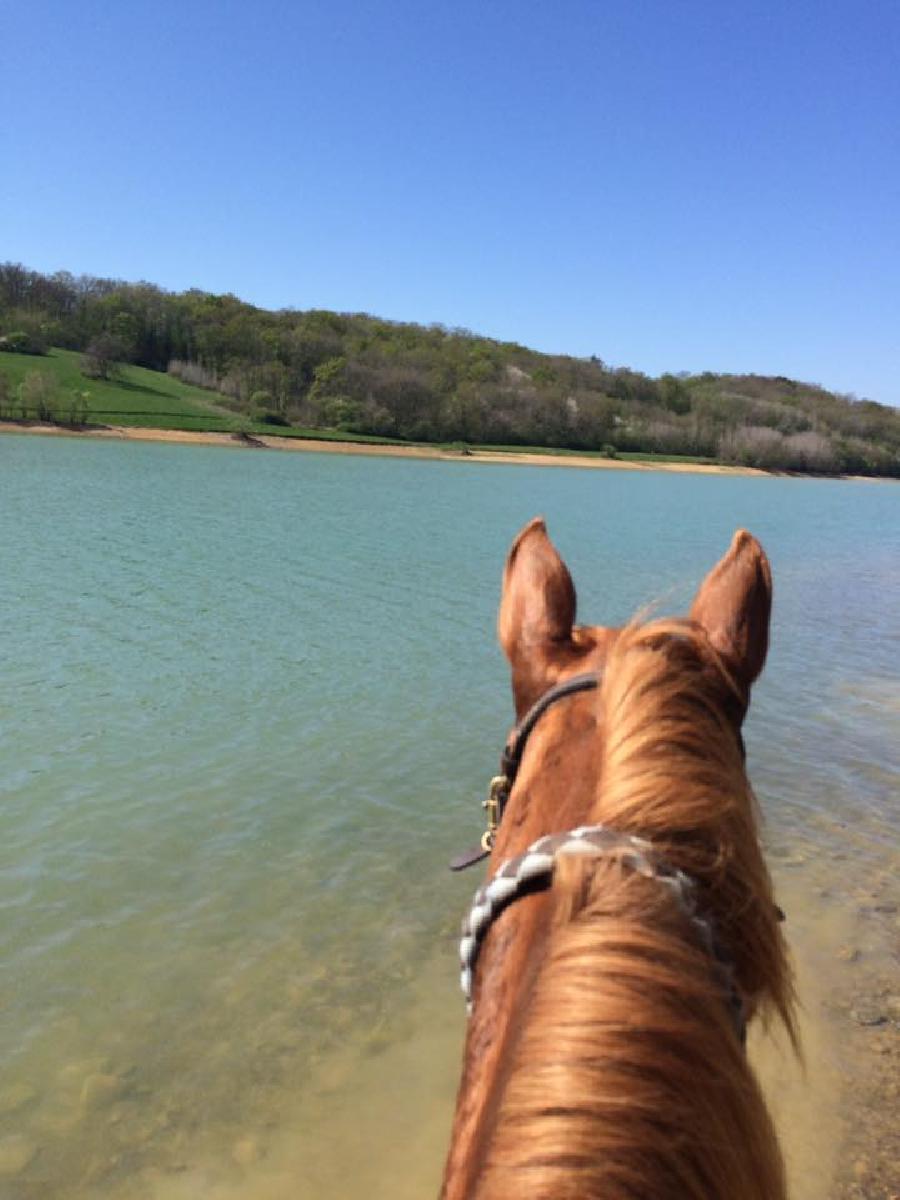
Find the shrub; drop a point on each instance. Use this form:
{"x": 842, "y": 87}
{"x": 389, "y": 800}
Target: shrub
{"x": 811, "y": 451}
{"x": 753, "y": 446}
{"x": 102, "y": 356}
{"x": 17, "y": 341}
{"x": 78, "y": 407}
{"x": 193, "y": 373}
{"x": 39, "y": 396}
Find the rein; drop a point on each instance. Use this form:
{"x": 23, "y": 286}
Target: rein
{"x": 533, "y": 871}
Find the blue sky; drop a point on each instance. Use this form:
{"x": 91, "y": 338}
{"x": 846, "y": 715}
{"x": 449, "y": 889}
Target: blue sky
{"x": 668, "y": 184}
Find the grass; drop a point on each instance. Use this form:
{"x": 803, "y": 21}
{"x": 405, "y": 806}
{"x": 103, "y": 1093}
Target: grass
{"x": 151, "y": 399}
{"x": 135, "y": 397}
{"x": 327, "y": 435}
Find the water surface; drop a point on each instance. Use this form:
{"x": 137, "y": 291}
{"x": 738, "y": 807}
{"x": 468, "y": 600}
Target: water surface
{"x": 250, "y": 705}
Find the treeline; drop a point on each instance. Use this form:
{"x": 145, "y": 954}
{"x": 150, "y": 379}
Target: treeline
{"x": 357, "y": 373}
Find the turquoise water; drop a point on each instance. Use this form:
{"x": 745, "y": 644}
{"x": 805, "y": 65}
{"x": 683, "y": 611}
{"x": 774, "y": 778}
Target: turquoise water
{"x": 250, "y": 704}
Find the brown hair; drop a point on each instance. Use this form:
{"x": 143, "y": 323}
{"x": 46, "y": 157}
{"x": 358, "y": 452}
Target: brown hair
{"x": 626, "y": 1078}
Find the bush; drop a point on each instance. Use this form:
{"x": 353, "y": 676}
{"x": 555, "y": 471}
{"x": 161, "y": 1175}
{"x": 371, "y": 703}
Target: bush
{"x": 19, "y": 342}
{"x": 193, "y": 373}
{"x": 812, "y": 452}
{"x": 39, "y": 396}
{"x": 102, "y": 356}
{"x": 754, "y": 446}
{"x": 274, "y": 418}
{"x": 78, "y": 408}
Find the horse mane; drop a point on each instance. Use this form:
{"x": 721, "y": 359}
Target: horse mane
{"x": 626, "y": 1079}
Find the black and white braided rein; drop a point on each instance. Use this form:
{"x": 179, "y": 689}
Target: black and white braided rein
{"x": 533, "y": 871}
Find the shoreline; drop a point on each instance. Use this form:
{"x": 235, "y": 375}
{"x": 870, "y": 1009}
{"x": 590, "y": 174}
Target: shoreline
{"x": 136, "y": 433}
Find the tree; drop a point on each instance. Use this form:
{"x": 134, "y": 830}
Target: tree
{"x": 78, "y": 407}
{"x": 25, "y": 333}
{"x": 674, "y": 394}
{"x": 39, "y": 396}
{"x": 102, "y": 356}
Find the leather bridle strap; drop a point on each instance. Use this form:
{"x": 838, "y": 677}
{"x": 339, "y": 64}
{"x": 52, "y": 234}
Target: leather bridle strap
{"x": 510, "y": 760}
{"x": 515, "y": 747}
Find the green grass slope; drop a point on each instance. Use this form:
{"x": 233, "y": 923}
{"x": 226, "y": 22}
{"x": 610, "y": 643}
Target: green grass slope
{"x": 143, "y": 398}
{"x": 139, "y": 397}
{"x": 135, "y": 396}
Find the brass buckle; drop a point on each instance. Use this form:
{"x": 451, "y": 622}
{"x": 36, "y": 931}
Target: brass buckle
{"x": 496, "y": 798}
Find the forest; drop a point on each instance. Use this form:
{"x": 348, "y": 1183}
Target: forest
{"x": 360, "y": 374}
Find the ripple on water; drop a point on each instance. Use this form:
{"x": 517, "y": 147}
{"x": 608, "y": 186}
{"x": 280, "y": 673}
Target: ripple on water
{"x": 256, "y": 700}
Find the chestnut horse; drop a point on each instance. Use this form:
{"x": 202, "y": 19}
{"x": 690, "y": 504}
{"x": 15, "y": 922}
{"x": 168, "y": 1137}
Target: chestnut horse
{"x": 604, "y": 1055}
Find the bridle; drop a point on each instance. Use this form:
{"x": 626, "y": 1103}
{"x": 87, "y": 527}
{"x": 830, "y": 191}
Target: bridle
{"x": 510, "y": 760}
{"x": 533, "y": 871}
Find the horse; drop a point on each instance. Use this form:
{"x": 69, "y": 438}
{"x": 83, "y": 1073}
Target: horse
{"x": 627, "y": 931}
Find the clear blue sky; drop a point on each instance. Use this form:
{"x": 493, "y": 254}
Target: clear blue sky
{"x": 671, "y": 185}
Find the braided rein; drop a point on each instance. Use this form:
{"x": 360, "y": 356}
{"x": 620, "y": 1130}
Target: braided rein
{"x": 533, "y": 871}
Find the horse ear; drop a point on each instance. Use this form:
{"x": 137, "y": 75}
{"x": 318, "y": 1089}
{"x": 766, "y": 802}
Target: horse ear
{"x": 734, "y": 604}
{"x": 537, "y": 605}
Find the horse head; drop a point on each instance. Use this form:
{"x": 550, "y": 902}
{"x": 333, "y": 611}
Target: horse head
{"x": 627, "y": 931}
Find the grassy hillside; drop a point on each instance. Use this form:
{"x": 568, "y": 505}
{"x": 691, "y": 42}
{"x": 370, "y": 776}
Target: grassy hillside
{"x": 138, "y": 397}
{"x": 135, "y": 396}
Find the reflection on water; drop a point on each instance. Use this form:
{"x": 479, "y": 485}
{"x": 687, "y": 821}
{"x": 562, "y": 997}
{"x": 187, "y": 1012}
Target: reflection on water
{"x": 250, "y": 706}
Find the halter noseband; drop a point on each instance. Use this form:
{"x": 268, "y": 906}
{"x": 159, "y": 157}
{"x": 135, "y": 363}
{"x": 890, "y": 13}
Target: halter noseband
{"x": 533, "y": 871}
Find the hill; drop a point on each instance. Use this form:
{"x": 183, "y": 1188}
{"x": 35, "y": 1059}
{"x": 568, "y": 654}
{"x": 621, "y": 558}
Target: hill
{"x": 134, "y": 396}
{"x": 193, "y": 360}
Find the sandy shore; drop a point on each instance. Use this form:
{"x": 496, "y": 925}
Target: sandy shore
{"x": 137, "y": 434}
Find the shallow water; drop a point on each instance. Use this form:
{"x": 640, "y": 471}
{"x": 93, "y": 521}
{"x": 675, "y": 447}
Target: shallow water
{"x": 250, "y": 705}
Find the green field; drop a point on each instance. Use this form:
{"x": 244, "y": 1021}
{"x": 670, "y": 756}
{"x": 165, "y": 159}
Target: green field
{"x": 135, "y": 397}
{"x": 151, "y": 399}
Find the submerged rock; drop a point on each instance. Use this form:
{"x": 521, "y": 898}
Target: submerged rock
{"x": 793, "y": 860}
{"x": 868, "y": 1013}
{"x": 848, "y": 954}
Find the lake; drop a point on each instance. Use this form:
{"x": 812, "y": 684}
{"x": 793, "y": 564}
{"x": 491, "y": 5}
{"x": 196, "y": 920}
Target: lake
{"x": 251, "y": 702}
